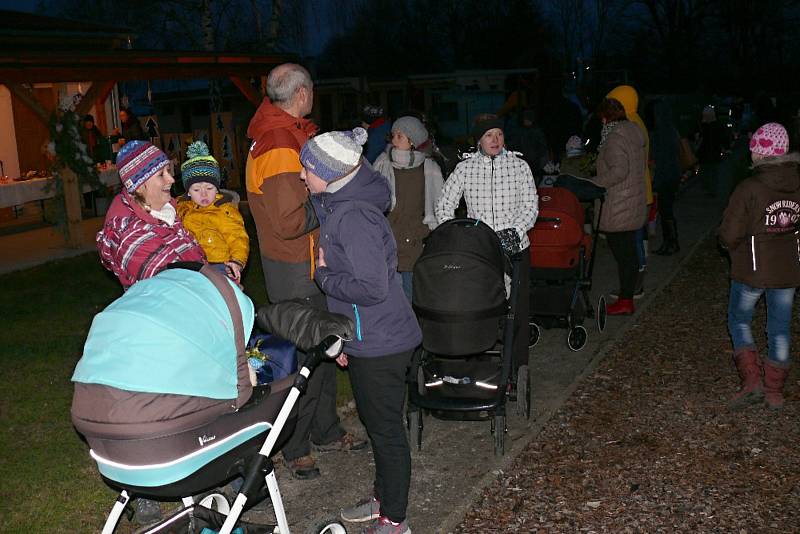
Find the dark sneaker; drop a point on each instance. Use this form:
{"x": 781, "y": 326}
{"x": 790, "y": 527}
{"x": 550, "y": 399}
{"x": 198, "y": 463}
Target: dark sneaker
{"x": 366, "y": 510}
{"x": 303, "y": 468}
{"x": 146, "y": 512}
{"x": 384, "y": 526}
{"x": 347, "y": 443}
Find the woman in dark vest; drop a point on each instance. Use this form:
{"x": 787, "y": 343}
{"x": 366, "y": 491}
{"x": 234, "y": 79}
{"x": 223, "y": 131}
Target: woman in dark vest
{"x": 416, "y": 181}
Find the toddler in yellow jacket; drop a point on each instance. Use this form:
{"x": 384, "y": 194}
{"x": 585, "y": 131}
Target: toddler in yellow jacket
{"x": 211, "y": 216}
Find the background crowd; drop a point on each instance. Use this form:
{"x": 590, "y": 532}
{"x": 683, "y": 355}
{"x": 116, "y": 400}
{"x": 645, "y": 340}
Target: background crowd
{"x": 341, "y": 217}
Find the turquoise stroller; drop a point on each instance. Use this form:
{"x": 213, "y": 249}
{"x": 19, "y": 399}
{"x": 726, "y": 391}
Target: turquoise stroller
{"x": 164, "y": 398}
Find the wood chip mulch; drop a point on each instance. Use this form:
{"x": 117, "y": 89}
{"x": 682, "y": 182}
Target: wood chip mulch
{"x": 647, "y": 442}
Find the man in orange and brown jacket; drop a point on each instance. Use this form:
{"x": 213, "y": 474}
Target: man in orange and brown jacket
{"x": 288, "y": 231}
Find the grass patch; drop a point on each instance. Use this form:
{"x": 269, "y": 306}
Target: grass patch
{"x": 50, "y": 484}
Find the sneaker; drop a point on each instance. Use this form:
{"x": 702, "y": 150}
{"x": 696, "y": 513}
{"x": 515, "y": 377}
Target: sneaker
{"x": 384, "y": 526}
{"x": 146, "y": 512}
{"x": 303, "y": 468}
{"x": 347, "y": 443}
{"x": 366, "y": 510}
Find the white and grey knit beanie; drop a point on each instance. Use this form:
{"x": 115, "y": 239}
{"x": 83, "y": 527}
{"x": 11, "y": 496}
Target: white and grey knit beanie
{"x": 333, "y": 154}
{"x": 412, "y": 128}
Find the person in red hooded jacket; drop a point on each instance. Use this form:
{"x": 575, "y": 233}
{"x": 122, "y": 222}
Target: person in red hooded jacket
{"x": 288, "y": 233}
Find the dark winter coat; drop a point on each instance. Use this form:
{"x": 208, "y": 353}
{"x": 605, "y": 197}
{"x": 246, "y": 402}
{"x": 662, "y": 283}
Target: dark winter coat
{"x": 664, "y": 149}
{"x": 133, "y": 131}
{"x": 620, "y": 169}
{"x": 360, "y": 278}
{"x": 378, "y": 133}
{"x": 759, "y": 226}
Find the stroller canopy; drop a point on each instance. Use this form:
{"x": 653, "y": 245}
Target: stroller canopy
{"x": 172, "y": 333}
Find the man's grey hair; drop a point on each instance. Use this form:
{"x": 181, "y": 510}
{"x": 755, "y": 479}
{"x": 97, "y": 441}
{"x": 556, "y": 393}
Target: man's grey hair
{"x": 284, "y": 81}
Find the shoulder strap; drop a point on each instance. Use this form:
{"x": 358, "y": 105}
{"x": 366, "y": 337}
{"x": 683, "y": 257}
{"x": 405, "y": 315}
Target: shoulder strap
{"x": 242, "y": 370}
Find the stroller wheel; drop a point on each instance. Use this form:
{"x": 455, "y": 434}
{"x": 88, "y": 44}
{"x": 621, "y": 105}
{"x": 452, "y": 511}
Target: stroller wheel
{"x": 576, "y": 338}
{"x": 535, "y": 332}
{"x": 523, "y": 392}
{"x": 499, "y": 430}
{"x": 329, "y": 526}
{"x": 600, "y": 316}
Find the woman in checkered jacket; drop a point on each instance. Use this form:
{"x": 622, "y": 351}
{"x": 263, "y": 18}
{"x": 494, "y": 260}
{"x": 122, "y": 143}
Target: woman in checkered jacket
{"x": 499, "y": 190}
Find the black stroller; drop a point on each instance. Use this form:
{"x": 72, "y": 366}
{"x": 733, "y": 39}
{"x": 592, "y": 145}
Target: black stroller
{"x": 562, "y": 260}
{"x": 163, "y": 397}
{"x": 460, "y": 300}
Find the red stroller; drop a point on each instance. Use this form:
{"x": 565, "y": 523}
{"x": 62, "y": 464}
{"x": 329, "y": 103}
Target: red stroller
{"x": 562, "y": 260}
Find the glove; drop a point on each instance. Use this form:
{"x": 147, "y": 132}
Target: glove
{"x": 509, "y": 240}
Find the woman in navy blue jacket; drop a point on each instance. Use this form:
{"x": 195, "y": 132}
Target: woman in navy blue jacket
{"x": 357, "y": 271}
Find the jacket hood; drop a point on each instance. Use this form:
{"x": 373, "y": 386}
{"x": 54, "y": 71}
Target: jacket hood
{"x": 367, "y": 185}
{"x": 270, "y": 117}
{"x": 780, "y": 173}
{"x": 627, "y": 96}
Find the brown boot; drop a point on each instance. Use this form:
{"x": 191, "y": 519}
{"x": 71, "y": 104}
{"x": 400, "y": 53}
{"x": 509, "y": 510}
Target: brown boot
{"x": 303, "y": 468}
{"x": 774, "y": 377}
{"x": 749, "y": 366}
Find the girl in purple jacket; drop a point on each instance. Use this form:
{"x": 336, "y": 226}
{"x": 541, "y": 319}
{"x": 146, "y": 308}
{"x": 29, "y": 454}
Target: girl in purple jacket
{"x": 357, "y": 271}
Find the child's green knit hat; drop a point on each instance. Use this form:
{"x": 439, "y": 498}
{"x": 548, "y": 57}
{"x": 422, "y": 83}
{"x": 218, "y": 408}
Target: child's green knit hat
{"x": 200, "y": 167}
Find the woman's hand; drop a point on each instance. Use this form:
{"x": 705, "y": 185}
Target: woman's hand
{"x": 234, "y": 270}
{"x": 341, "y": 360}
{"x": 321, "y": 260}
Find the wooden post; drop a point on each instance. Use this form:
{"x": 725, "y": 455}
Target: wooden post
{"x": 72, "y": 207}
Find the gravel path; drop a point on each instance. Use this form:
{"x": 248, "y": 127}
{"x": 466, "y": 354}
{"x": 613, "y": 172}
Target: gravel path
{"x": 647, "y": 444}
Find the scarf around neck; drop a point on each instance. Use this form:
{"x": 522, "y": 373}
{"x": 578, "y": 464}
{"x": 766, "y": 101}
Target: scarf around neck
{"x": 607, "y": 128}
{"x": 166, "y": 214}
{"x": 393, "y": 159}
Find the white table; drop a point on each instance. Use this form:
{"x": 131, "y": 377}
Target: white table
{"x": 16, "y": 193}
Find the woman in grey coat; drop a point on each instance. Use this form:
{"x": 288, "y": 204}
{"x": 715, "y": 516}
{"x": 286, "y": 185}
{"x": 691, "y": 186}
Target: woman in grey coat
{"x": 620, "y": 169}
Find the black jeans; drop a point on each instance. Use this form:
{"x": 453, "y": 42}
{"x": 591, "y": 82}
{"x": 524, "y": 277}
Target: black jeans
{"x": 623, "y": 247}
{"x": 317, "y": 419}
{"x": 379, "y": 389}
{"x": 522, "y": 332}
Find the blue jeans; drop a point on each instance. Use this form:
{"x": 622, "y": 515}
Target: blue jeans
{"x": 743, "y": 301}
{"x": 407, "y": 278}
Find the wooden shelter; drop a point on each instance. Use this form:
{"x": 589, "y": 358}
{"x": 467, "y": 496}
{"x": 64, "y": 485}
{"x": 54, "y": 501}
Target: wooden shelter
{"x": 44, "y": 50}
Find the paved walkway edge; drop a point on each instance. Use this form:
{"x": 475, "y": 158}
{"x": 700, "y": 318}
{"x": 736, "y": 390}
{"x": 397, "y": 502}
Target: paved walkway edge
{"x": 455, "y": 517}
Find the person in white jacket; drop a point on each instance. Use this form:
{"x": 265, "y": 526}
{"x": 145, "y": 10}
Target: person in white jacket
{"x": 415, "y": 180}
{"x": 499, "y": 189}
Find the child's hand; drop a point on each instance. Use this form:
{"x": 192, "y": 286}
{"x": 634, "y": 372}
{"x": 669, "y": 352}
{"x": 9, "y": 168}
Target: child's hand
{"x": 321, "y": 260}
{"x": 234, "y": 270}
{"x": 341, "y": 360}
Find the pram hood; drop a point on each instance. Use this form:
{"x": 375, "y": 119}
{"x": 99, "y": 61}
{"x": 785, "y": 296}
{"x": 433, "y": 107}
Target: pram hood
{"x": 170, "y": 334}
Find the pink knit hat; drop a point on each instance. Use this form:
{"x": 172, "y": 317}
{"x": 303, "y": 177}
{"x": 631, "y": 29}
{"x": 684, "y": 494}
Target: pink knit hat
{"x": 770, "y": 140}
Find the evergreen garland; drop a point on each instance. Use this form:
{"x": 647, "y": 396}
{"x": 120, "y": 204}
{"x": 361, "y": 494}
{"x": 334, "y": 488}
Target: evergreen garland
{"x": 67, "y": 150}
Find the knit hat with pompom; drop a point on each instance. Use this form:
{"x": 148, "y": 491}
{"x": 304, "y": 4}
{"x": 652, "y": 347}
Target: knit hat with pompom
{"x": 200, "y": 167}
{"x": 333, "y": 155}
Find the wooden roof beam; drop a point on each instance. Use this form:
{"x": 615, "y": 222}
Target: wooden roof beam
{"x": 29, "y": 99}
{"x": 250, "y": 92}
{"x": 97, "y": 92}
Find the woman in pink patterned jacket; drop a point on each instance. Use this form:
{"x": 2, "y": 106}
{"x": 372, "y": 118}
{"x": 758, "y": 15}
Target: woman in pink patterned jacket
{"x": 142, "y": 232}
